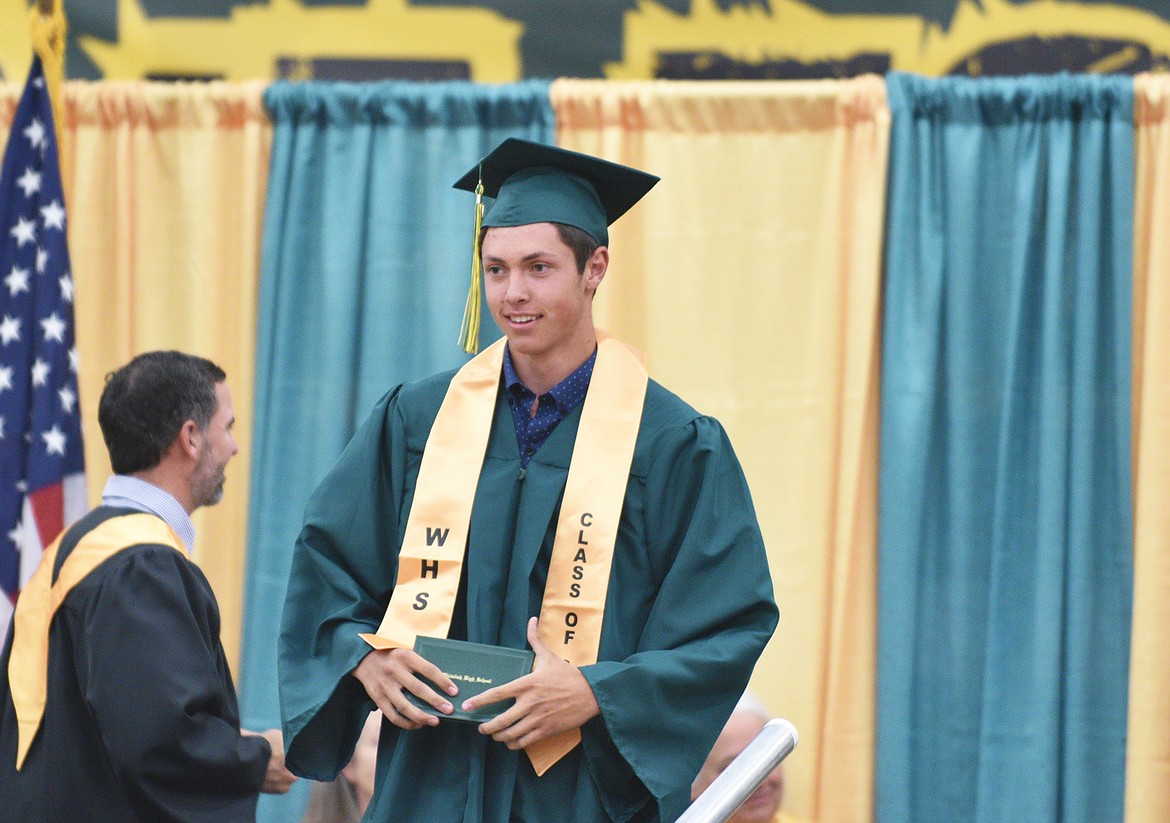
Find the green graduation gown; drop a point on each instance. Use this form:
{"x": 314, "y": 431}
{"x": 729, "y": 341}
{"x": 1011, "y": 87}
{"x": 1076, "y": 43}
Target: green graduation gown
{"x": 141, "y": 721}
{"x": 689, "y": 609}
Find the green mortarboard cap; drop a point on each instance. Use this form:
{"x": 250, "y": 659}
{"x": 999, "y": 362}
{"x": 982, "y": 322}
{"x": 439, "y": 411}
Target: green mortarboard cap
{"x": 537, "y": 183}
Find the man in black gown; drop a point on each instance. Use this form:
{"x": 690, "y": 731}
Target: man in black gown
{"x": 116, "y": 701}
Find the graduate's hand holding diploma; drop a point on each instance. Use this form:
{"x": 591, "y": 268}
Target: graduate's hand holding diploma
{"x": 555, "y": 698}
{"x": 387, "y": 673}
{"x": 277, "y": 779}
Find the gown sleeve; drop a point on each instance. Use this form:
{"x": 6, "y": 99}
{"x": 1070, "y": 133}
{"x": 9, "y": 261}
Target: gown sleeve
{"x": 152, "y": 673}
{"x": 343, "y": 571}
{"x": 663, "y": 706}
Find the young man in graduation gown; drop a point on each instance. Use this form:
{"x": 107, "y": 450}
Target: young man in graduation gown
{"x": 550, "y": 479}
{"x": 117, "y": 703}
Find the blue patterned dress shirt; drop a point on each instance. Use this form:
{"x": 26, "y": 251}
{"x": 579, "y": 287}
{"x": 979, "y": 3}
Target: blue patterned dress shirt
{"x": 552, "y": 407}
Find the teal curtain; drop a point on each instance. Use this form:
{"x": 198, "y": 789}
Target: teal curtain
{"x": 366, "y": 260}
{"x": 1005, "y": 530}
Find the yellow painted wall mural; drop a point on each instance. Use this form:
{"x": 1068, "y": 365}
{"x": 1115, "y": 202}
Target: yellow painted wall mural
{"x": 257, "y": 40}
{"x": 15, "y": 42}
{"x": 1036, "y": 36}
{"x": 506, "y": 40}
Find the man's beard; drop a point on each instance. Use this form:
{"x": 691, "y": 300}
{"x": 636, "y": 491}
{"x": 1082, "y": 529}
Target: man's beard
{"x": 208, "y": 485}
{"x": 216, "y": 495}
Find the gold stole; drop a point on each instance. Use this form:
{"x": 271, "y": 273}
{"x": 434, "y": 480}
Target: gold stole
{"x": 28, "y": 665}
{"x": 431, "y": 559}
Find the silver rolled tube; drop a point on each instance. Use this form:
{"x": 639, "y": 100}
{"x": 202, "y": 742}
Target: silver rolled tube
{"x": 744, "y": 774}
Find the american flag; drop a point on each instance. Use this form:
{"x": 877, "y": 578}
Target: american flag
{"x": 42, "y": 465}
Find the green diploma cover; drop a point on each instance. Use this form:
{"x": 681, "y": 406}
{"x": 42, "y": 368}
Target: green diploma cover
{"x": 473, "y": 668}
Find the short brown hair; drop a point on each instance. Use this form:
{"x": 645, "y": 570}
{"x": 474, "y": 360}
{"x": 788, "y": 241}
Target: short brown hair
{"x": 580, "y": 241}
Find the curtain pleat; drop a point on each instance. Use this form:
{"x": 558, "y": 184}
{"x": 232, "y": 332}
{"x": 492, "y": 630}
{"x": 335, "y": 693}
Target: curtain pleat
{"x": 1005, "y": 582}
{"x": 750, "y": 276}
{"x": 1147, "y": 788}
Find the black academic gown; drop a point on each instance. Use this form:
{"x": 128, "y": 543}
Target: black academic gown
{"x": 689, "y": 610}
{"x": 141, "y": 721}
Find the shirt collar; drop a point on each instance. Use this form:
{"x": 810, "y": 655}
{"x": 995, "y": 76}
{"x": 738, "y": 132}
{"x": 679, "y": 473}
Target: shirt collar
{"x": 126, "y": 492}
{"x": 567, "y": 394}
{"x": 511, "y": 380}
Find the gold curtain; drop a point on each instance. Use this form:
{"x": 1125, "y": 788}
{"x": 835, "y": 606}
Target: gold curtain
{"x": 1147, "y": 783}
{"x": 750, "y": 276}
{"x": 165, "y": 201}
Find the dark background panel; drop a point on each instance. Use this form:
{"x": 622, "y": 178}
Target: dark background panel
{"x": 576, "y": 38}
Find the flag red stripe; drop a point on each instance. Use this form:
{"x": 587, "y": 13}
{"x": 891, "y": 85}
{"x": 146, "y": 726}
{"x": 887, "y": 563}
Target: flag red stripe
{"x": 48, "y": 505}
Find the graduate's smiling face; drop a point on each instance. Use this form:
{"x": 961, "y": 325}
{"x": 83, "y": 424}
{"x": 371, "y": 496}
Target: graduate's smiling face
{"x": 538, "y": 296}
{"x": 216, "y": 447}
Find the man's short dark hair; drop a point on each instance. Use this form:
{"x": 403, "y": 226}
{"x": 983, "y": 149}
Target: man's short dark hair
{"x": 147, "y": 401}
{"x": 579, "y": 241}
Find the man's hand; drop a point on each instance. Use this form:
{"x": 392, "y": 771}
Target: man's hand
{"x": 388, "y": 673}
{"x": 277, "y": 779}
{"x": 556, "y": 697}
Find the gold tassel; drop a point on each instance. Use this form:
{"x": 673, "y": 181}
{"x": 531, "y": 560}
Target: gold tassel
{"x": 469, "y": 333}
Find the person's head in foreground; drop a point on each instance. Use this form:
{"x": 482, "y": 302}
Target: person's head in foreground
{"x": 746, "y": 721}
{"x": 166, "y": 418}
